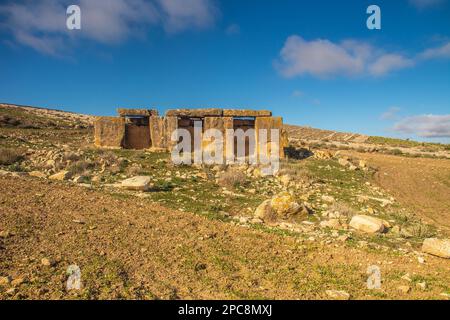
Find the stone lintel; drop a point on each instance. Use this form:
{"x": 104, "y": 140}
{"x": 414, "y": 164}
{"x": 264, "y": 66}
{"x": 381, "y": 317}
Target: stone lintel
{"x": 194, "y": 113}
{"x": 137, "y": 112}
{"x": 246, "y": 113}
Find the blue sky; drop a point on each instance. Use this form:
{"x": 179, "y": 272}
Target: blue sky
{"x": 313, "y": 62}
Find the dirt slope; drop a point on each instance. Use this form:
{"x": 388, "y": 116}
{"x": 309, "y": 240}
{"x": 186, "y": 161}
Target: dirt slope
{"x": 128, "y": 248}
{"x": 420, "y": 183}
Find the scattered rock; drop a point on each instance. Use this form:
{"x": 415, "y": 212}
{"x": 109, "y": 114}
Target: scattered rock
{"x": 4, "y": 281}
{"x": 338, "y": 294}
{"x": 284, "y": 205}
{"x": 344, "y": 162}
{"x": 285, "y": 179}
{"x": 46, "y": 262}
{"x": 60, "y": 176}
{"x": 332, "y": 223}
{"x": 4, "y": 234}
{"x": 367, "y": 224}
{"x": 437, "y": 247}
{"x": 17, "y": 282}
{"x": 404, "y": 289}
{"x": 421, "y": 285}
{"x": 80, "y": 179}
{"x": 327, "y": 198}
{"x": 37, "y": 174}
{"x": 139, "y": 183}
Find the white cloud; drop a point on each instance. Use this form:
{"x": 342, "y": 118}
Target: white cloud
{"x": 390, "y": 114}
{"x": 179, "y": 15}
{"x": 434, "y": 53}
{"x": 389, "y": 62}
{"x": 297, "y": 93}
{"x": 233, "y": 29}
{"x": 422, "y": 4}
{"x": 318, "y": 57}
{"x": 426, "y": 126}
{"x": 323, "y": 58}
{"x": 41, "y": 25}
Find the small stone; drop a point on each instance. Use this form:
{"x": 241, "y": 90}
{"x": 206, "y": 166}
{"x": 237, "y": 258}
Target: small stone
{"x": 11, "y": 291}
{"x": 327, "y": 198}
{"x": 404, "y": 289}
{"x": 4, "y": 281}
{"x": 139, "y": 183}
{"x": 285, "y": 179}
{"x": 344, "y": 162}
{"x": 4, "y": 234}
{"x": 37, "y": 174}
{"x": 60, "y": 176}
{"x": 80, "y": 179}
{"x": 17, "y": 282}
{"x": 332, "y": 223}
{"x": 343, "y": 238}
{"x": 46, "y": 262}
{"x": 421, "y": 260}
{"x": 406, "y": 277}
{"x": 421, "y": 285}
{"x": 338, "y": 294}
{"x": 367, "y": 224}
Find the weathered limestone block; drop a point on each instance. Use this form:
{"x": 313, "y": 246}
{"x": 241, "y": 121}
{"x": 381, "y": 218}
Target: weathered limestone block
{"x": 219, "y": 123}
{"x": 367, "y": 224}
{"x": 246, "y": 113}
{"x": 158, "y": 132}
{"x": 137, "y": 112}
{"x": 210, "y": 112}
{"x": 139, "y": 183}
{"x": 269, "y": 123}
{"x": 170, "y": 125}
{"x": 109, "y": 131}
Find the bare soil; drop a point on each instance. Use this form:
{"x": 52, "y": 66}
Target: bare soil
{"x": 422, "y": 184}
{"x": 133, "y": 248}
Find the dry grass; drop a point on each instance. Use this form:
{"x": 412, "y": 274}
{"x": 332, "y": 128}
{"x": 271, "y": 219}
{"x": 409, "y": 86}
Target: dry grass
{"x": 232, "y": 178}
{"x": 10, "y": 156}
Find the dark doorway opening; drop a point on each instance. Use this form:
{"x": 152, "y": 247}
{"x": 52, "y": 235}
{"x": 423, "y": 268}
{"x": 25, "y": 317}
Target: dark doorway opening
{"x": 137, "y": 132}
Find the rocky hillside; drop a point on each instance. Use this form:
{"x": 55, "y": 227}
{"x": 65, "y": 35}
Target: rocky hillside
{"x": 33, "y": 117}
{"x": 139, "y": 227}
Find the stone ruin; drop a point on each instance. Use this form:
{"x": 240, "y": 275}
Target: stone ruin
{"x": 145, "y": 129}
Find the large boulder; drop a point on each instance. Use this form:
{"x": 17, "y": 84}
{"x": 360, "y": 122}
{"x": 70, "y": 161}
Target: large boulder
{"x": 281, "y": 207}
{"x": 284, "y": 205}
{"x": 367, "y": 224}
{"x": 264, "y": 211}
{"x": 437, "y": 247}
{"x": 139, "y": 183}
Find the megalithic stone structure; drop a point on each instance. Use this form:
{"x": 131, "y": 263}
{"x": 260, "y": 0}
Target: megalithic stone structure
{"x": 145, "y": 129}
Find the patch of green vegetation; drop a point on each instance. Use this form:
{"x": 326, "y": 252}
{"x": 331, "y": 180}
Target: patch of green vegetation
{"x": 393, "y": 142}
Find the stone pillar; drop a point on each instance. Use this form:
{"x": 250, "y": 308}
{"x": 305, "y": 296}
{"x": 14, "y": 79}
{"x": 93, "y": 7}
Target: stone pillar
{"x": 219, "y": 123}
{"x": 269, "y": 123}
{"x": 170, "y": 124}
{"x": 157, "y": 132}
